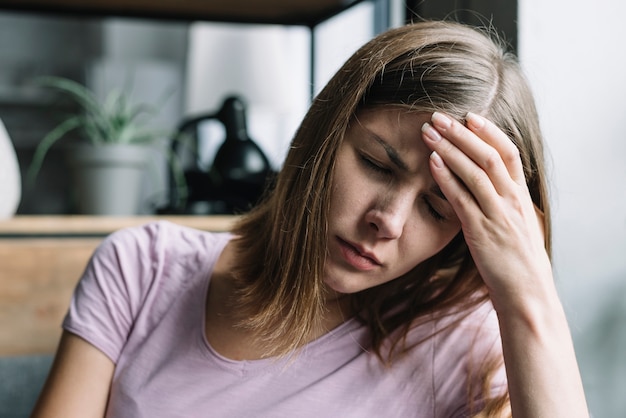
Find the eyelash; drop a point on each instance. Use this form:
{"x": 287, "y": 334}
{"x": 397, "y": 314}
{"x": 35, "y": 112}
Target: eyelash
{"x": 431, "y": 210}
{"x": 381, "y": 170}
{"x": 370, "y": 164}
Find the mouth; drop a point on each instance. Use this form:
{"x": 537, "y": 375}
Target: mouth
{"x": 357, "y": 256}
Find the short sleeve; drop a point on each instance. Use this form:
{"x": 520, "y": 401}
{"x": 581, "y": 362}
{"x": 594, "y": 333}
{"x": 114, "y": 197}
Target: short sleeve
{"x": 112, "y": 289}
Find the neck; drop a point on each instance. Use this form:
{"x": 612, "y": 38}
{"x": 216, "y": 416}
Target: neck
{"x": 339, "y": 309}
{"x": 224, "y": 316}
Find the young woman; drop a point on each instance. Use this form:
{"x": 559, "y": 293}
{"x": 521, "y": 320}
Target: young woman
{"x": 399, "y": 267}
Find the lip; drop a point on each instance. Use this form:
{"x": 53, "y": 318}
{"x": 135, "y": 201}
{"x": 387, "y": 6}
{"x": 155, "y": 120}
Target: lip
{"x": 357, "y": 256}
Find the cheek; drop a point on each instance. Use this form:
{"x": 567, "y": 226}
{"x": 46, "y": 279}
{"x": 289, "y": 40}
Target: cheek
{"x": 339, "y": 197}
{"x": 429, "y": 238}
{"x": 349, "y": 190}
{"x": 444, "y": 236}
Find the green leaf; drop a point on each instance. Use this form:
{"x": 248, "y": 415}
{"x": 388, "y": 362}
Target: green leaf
{"x": 114, "y": 120}
{"x": 76, "y": 91}
{"x": 46, "y": 143}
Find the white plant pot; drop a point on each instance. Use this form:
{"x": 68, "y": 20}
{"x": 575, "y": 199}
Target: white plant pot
{"x": 10, "y": 179}
{"x": 107, "y": 178}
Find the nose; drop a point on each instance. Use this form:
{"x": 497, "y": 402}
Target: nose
{"x": 389, "y": 218}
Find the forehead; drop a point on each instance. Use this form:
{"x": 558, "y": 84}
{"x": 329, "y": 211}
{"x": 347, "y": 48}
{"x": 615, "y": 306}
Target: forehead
{"x": 397, "y": 127}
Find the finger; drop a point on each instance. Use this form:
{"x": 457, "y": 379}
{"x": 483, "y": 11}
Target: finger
{"x": 474, "y": 177}
{"x": 494, "y": 136}
{"x": 476, "y": 148}
{"x": 462, "y": 201}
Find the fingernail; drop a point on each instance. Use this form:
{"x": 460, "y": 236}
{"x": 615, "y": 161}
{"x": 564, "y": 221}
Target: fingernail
{"x": 430, "y": 132}
{"x": 474, "y": 120}
{"x": 441, "y": 121}
{"x": 436, "y": 159}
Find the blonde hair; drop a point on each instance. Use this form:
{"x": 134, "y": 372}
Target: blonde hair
{"x": 425, "y": 67}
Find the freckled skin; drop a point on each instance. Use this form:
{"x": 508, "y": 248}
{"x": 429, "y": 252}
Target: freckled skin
{"x": 381, "y": 208}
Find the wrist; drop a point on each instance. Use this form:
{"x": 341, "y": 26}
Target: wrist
{"x": 536, "y": 307}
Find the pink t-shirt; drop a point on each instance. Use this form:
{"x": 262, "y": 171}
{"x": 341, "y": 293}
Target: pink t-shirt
{"x": 142, "y": 301}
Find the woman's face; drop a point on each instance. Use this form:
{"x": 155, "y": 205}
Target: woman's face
{"x": 387, "y": 214}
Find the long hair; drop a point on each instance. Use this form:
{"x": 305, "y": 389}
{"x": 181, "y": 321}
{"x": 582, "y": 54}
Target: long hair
{"x": 425, "y": 67}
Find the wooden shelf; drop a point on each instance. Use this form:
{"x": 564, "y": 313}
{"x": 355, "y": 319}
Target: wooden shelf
{"x": 292, "y": 12}
{"x": 80, "y": 225}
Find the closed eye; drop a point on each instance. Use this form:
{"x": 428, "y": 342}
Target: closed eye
{"x": 374, "y": 166}
{"x": 436, "y": 215}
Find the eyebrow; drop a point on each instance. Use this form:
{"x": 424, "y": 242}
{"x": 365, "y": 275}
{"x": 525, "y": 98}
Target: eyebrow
{"x": 395, "y": 158}
{"x": 393, "y": 155}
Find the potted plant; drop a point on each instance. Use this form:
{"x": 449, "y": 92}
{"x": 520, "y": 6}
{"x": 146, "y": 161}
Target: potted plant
{"x": 109, "y": 159}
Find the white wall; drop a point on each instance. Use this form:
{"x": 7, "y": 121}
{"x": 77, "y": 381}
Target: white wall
{"x": 574, "y": 54}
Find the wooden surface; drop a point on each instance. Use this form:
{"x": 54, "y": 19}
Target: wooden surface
{"x": 101, "y": 225}
{"x": 37, "y": 278}
{"x": 38, "y": 272}
{"x": 301, "y": 12}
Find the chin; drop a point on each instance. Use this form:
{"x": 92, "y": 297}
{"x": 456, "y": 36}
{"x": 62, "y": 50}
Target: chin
{"x": 343, "y": 287}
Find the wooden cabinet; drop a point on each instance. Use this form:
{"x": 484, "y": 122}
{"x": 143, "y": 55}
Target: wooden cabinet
{"x": 41, "y": 260}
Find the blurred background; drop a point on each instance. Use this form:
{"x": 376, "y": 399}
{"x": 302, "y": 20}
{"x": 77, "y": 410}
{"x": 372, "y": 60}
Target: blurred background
{"x": 571, "y": 50}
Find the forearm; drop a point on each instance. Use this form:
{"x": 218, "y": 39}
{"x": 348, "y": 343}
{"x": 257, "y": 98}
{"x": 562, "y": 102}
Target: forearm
{"x": 543, "y": 375}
